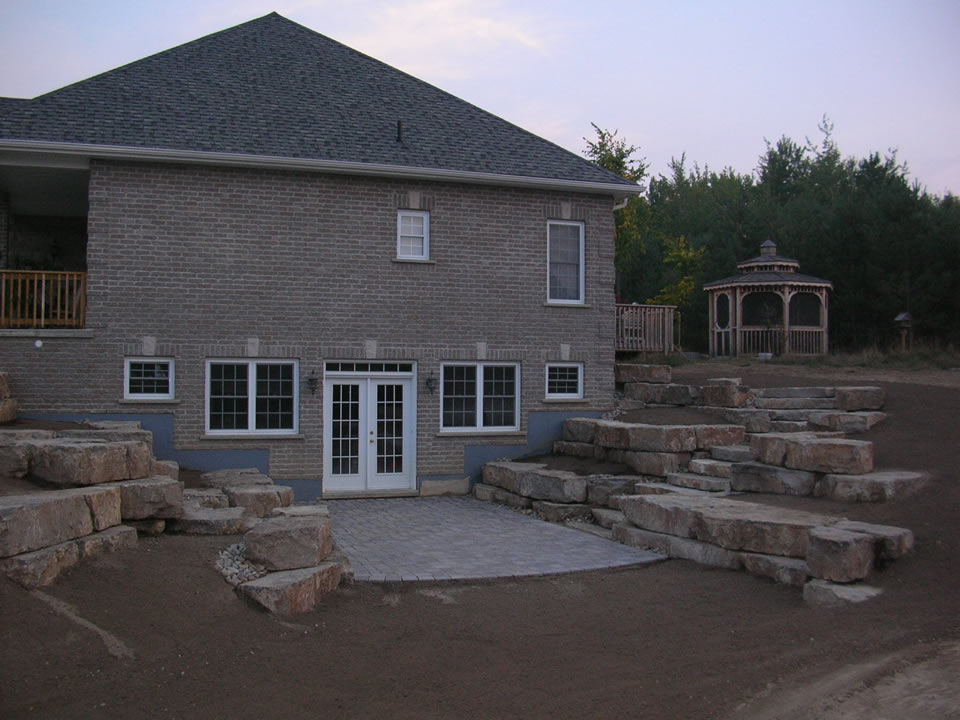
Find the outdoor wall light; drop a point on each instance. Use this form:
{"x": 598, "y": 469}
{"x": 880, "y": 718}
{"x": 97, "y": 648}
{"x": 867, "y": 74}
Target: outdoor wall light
{"x": 431, "y": 383}
{"x": 312, "y": 382}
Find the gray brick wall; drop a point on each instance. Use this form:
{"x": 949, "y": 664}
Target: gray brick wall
{"x": 202, "y": 259}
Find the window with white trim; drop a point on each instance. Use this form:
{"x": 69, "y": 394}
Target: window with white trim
{"x": 148, "y": 378}
{"x": 565, "y": 262}
{"x": 480, "y": 396}
{"x": 564, "y": 381}
{"x": 413, "y": 235}
{"x": 252, "y": 396}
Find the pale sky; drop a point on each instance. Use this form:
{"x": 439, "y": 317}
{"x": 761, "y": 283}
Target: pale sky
{"x": 709, "y": 79}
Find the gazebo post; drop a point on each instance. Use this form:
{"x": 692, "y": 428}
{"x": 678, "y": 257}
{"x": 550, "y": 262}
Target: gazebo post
{"x": 786, "y": 294}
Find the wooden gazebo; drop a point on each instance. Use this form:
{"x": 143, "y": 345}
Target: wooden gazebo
{"x": 768, "y": 308}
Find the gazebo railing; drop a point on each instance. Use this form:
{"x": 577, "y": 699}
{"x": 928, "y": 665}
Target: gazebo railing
{"x": 646, "y": 328}
{"x": 807, "y": 341}
{"x": 803, "y": 341}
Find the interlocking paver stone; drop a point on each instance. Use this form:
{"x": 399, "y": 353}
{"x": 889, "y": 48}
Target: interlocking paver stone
{"x": 459, "y": 538}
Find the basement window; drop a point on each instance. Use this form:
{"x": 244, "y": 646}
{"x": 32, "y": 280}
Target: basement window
{"x": 148, "y": 378}
{"x": 564, "y": 381}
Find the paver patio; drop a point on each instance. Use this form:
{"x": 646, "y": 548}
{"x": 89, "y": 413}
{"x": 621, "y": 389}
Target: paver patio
{"x": 447, "y": 538}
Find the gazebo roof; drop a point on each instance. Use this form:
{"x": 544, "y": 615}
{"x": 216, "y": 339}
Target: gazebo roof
{"x": 768, "y": 268}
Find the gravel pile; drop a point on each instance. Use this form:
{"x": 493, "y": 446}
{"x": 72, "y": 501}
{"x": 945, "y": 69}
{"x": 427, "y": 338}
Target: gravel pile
{"x": 235, "y": 568}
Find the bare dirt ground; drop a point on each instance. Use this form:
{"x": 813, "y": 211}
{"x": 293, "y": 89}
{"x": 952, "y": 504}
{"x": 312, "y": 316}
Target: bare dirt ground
{"x": 154, "y": 632}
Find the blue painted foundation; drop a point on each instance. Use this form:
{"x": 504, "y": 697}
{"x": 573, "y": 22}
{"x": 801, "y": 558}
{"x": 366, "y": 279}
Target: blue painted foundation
{"x": 161, "y": 425}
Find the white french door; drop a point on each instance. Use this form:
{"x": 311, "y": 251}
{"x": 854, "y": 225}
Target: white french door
{"x": 369, "y": 430}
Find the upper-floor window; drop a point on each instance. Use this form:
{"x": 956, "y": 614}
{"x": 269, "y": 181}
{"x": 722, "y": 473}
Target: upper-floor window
{"x": 252, "y": 396}
{"x": 148, "y": 378}
{"x": 413, "y": 235}
{"x": 565, "y": 262}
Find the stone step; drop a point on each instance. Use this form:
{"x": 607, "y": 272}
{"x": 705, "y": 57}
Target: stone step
{"x": 289, "y": 543}
{"x": 699, "y": 482}
{"x": 66, "y": 462}
{"x": 752, "y": 419}
{"x": 663, "y": 488}
{"x": 657, "y": 394}
{"x": 151, "y": 497}
{"x": 846, "y": 422}
{"x": 590, "y": 529}
{"x": 259, "y": 500}
{"x": 731, "y": 524}
{"x": 234, "y": 476}
{"x": 677, "y": 547}
{"x": 795, "y": 403}
{"x": 789, "y": 426}
{"x": 795, "y": 392}
{"x": 631, "y": 373}
{"x": 492, "y": 493}
{"x": 732, "y": 453}
{"x": 879, "y": 486}
{"x": 850, "y": 399}
{"x": 762, "y": 478}
{"x": 607, "y": 518}
{"x": 561, "y": 512}
{"x": 715, "y": 468}
{"x": 601, "y": 488}
{"x": 536, "y": 481}
{"x": 823, "y": 593}
{"x": 44, "y": 519}
{"x": 293, "y": 591}
{"x": 808, "y": 451}
{"x": 209, "y": 521}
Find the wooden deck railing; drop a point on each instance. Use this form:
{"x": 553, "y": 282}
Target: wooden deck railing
{"x": 647, "y": 328}
{"x": 40, "y": 299}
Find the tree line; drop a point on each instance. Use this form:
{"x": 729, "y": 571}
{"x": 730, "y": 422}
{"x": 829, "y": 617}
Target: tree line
{"x": 886, "y": 244}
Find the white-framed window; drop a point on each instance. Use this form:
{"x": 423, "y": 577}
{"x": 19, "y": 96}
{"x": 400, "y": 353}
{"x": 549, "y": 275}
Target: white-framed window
{"x": 252, "y": 397}
{"x": 148, "y": 378}
{"x": 564, "y": 381}
{"x": 480, "y": 396}
{"x": 565, "y": 263}
{"x": 413, "y": 235}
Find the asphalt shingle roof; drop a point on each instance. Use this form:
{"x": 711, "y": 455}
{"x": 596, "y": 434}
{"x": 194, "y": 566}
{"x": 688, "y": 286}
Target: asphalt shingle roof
{"x": 272, "y": 87}
{"x": 758, "y": 278}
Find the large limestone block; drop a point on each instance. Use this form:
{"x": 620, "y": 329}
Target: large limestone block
{"x": 771, "y": 448}
{"x": 209, "y": 521}
{"x": 830, "y": 455}
{"x": 660, "y": 438}
{"x": 212, "y": 498}
{"x": 156, "y": 497}
{"x": 710, "y": 436}
{"x": 8, "y": 410}
{"x": 506, "y": 474}
{"x": 708, "y": 466}
{"x": 122, "y": 432}
{"x": 788, "y": 571}
{"x": 796, "y": 392}
{"x": 725, "y": 395}
{"x": 846, "y": 422}
{"x": 110, "y": 540}
{"x": 607, "y": 517}
{"x": 612, "y": 434}
{"x": 139, "y": 459}
{"x": 650, "y": 463}
{"x": 839, "y": 555}
{"x": 731, "y": 524}
{"x": 706, "y": 483}
{"x": 674, "y": 394}
{"x": 234, "y": 476}
{"x": 732, "y": 453}
{"x": 769, "y": 403}
{"x": 41, "y": 567}
{"x": 752, "y": 419}
{"x": 645, "y": 392}
{"x": 165, "y": 468}
{"x": 79, "y": 463}
{"x": 760, "y": 478}
{"x": 31, "y": 522}
{"x": 643, "y": 373}
{"x": 15, "y": 459}
{"x": 287, "y": 543}
{"x": 301, "y": 511}
{"x": 561, "y": 512}
{"x": 554, "y": 485}
{"x": 580, "y": 430}
{"x": 293, "y": 591}
{"x": 601, "y": 488}
{"x": 676, "y": 547}
{"x": 823, "y": 593}
{"x": 492, "y": 493}
{"x": 891, "y": 542}
{"x": 860, "y": 398}
{"x": 104, "y": 502}
{"x": 259, "y": 500}
{"x": 873, "y": 487}
{"x": 577, "y": 449}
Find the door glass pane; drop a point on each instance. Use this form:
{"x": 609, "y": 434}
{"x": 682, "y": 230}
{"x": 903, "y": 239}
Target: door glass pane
{"x": 389, "y": 428}
{"x": 345, "y": 430}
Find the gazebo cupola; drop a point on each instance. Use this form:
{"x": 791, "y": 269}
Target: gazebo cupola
{"x": 768, "y": 308}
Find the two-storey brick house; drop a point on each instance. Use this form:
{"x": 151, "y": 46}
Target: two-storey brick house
{"x": 276, "y": 251}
